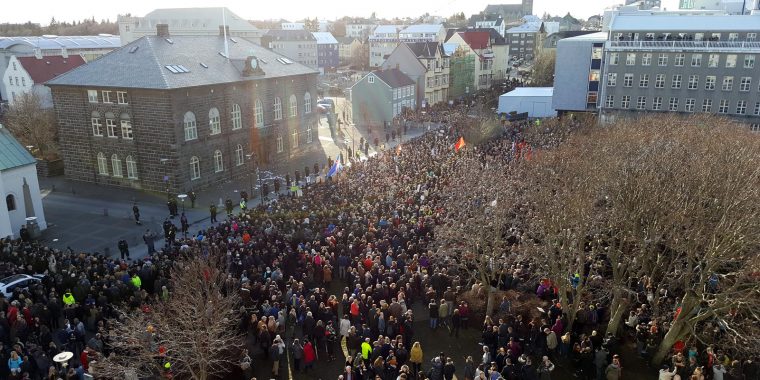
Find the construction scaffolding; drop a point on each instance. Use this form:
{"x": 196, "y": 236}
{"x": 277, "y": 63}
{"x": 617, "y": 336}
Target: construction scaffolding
{"x": 462, "y": 74}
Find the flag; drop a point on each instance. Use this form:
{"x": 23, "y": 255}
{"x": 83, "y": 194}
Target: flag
{"x": 459, "y": 144}
{"x": 336, "y": 168}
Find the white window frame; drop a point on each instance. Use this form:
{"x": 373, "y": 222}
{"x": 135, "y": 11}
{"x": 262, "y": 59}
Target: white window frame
{"x": 693, "y": 82}
{"x": 646, "y": 59}
{"x": 745, "y": 84}
{"x": 121, "y": 97}
{"x": 611, "y": 79}
{"x": 294, "y": 136}
{"x": 131, "y": 167}
{"x": 92, "y": 96}
{"x": 625, "y": 102}
{"x": 116, "y": 165}
{"x": 659, "y": 81}
{"x": 258, "y": 113}
{"x": 728, "y": 83}
{"x": 662, "y": 59}
{"x": 237, "y": 117}
{"x": 710, "y": 82}
{"x": 723, "y": 106}
{"x": 214, "y": 121}
{"x": 630, "y": 59}
{"x": 679, "y": 59}
{"x": 307, "y": 103}
{"x": 644, "y": 80}
{"x": 731, "y": 61}
{"x": 628, "y": 80}
{"x": 195, "y": 168}
{"x": 749, "y": 61}
{"x": 106, "y": 94}
{"x": 614, "y": 58}
{"x": 673, "y": 104}
{"x": 97, "y": 128}
{"x": 707, "y": 105}
{"x": 190, "y": 126}
{"x": 690, "y": 104}
{"x": 657, "y": 103}
{"x": 218, "y": 161}
{"x": 757, "y": 109}
{"x": 713, "y": 60}
{"x": 293, "y": 104}
{"x": 675, "y": 83}
{"x": 741, "y": 107}
{"x": 126, "y": 130}
{"x": 609, "y": 101}
{"x": 239, "y": 156}
{"x": 277, "y": 108}
{"x": 641, "y": 103}
{"x": 696, "y": 60}
{"x": 370, "y": 79}
{"x": 280, "y": 145}
{"x": 309, "y": 136}
{"x": 111, "y": 128}
{"x": 102, "y": 164}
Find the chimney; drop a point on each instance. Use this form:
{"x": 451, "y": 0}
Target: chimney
{"x": 222, "y": 29}
{"x": 64, "y": 53}
{"x": 38, "y": 53}
{"x": 162, "y": 30}
{"x": 397, "y": 66}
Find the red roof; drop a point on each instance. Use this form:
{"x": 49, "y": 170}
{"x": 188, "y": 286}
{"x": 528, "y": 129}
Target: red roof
{"x": 49, "y": 67}
{"x": 476, "y": 40}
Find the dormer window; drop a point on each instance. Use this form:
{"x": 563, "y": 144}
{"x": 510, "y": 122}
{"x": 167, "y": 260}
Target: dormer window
{"x": 371, "y": 79}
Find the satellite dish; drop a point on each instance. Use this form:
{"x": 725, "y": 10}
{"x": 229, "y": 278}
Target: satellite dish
{"x": 63, "y": 357}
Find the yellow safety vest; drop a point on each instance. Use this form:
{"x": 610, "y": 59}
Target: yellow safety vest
{"x": 68, "y": 299}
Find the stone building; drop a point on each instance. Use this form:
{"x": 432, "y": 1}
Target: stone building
{"x": 183, "y": 112}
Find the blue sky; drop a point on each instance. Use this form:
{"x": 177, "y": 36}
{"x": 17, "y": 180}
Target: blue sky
{"x": 41, "y": 11}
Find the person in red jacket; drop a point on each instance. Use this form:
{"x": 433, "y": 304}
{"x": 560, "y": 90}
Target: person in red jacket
{"x": 308, "y": 356}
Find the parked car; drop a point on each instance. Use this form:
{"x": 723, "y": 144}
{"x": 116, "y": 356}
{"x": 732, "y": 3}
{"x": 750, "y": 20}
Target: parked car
{"x": 18, "y": 281}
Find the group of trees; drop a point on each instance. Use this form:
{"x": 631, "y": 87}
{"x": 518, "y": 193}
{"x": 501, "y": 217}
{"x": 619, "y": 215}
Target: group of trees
{"x": 33, "y": 125}
{"x": 86, "y": 27}
{"x": 657, "y": 210}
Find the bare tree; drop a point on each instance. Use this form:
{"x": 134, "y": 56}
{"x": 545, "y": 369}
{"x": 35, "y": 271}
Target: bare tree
{"x": 33, "y": 125}
{"x": 195, "y": 329}
{"x": 543, "y": 69}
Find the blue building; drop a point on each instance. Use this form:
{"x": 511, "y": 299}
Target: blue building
{"x": 328, "y": 57}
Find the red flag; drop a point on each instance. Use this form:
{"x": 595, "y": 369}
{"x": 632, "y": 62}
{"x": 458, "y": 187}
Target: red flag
{"x": 460, "y": 144}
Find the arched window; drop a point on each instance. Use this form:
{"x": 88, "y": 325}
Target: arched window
{"x": 237, "y": 120}
{"x": 307, "y": 103}
{"x": 214, "y": 123}
{"x": 258, "y": 111}
{"x": 293, "y": 106}
{"x": 191, "y": 130}
{"x": 102, "y": 164}
{"x": 131, "y": 168}
{"x": 239, "y": 155}
{"x": 126, "y": 127}
{"x": 277, "y": 108}
{"x": 218, "y": 162}
{"x": 116, "y": 163}
{"x": 10, "y": 202}
{"x": 97, "y": 127}
{"x": 195, "y": 168}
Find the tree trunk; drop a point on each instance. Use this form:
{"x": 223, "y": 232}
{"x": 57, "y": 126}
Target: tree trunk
{"x": 490, "y": 300}
{"x": 617, "y": 310}
{"x": 675, "y": 333}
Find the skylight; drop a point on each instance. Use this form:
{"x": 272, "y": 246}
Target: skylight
{"x": 222, "y": 54}
{"x": 205, "y": 66}
{"x": 177, "y": 69}
{"x": 284, "y": 61}
{"x": 233, "y": 40}
{"x": 134, "y": 48}
{"x": 169, "y": 40}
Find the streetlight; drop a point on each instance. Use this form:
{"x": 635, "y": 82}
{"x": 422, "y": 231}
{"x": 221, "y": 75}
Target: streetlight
{"x": 166, "y": 177}
{"x": 182, "y": 199}
{"x": 250, "y": 156}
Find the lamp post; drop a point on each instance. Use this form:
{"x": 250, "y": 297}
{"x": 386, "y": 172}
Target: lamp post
{"x": 166, "y": 178}
{"x": 182, "y": 198}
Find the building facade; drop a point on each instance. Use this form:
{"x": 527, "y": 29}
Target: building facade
{"x": 328, "y": 57}
{"x": 88, "y": 47}
{"x": 359, "y": 29}
{"x": 27, "y": 75}
{"x": 19, "y": 188}
{"x": 350, "y": 50}
{"x": 380, "y": 96}
{"x": 298, "y": 45}
{"x": 510, "y": 12}
{"x": 188, "y": 22}
{"x": 479, "y": 45}
{"x": 381, "y": 43}
{"x": 184, "y": 112}
{"x": 423, "y": 33}
{"x": 525, "y": 40}
{"x": 427, "y": 64}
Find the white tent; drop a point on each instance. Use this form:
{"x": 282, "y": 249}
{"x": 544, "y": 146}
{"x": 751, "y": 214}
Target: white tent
{"x": 536, "y": 101}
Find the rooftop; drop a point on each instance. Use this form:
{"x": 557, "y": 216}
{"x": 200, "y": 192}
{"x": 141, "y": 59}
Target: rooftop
{"x": 528, "y": 27}
{"x": 290, "y": 35}
{"x": 393, "y": 78}
{"x": 49, "y": 67}
{"x": 324, "y": 38}
{"x": 12, "y": 153}
{"x": 387, "y": 29}
{"x": 423, "y": 28}
{"x": 476, "y": 40}
{"x": 595, "y": 36}
{"x": 677, "y": 23}
{"x": 154, "y": 62}
{"x": 496, "y": 38}
{"x": 49, "y": 42}
{"x": 209, "y": 18}
{"x": 530, "y": 92}
{"x": 426, "y": 49}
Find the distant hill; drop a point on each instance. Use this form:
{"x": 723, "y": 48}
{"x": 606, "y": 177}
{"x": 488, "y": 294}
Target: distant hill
{"x": 87, "y": 27}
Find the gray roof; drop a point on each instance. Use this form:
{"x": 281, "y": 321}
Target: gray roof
{"x": 423, "y": 28}
{"x": 290, "y": 35}
{"x": 145, "y": 66}
{"x": 426, "y": 49}
{"x": 195, "y": 18}
{"x": 324, "y": 38}
{"x": 393, "y": 77}
{"x": 528, "y": 27}
{"x": 69, "y": 42}
{"x": 677, "y": 23}
{"x": 12, "y": 153}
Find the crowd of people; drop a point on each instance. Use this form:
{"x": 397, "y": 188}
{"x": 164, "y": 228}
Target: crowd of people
{"x": 335, "y": 275}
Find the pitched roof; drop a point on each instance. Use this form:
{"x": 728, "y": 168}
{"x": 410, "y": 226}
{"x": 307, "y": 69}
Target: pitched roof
{"x": 570, "y": 33}
{"x": 143, "y": 64}
{"x": 476, "y": 40}
{"x": 324, "y": 38}
{"x": 12, "y": 153}
{"x": 496, "y": 38}
{"x": 528, "y": 27}
{"x": 426, "y": 49}
{"x": 290, "y": 35}
{"x": 393, "y": 77}
{"x": 422, "y": 28}
{"x": 208, "y": 18}
{"x": 105, "y": 41}
{"x": 49, "y": 67}
{"x": 387, "y": 29}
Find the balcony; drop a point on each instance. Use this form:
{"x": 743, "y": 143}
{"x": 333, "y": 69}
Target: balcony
{"x": 706, "y": 46}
